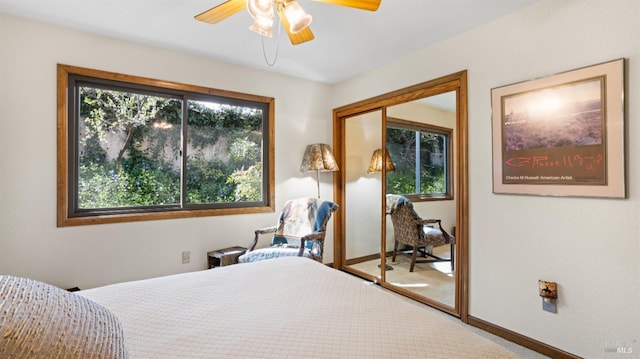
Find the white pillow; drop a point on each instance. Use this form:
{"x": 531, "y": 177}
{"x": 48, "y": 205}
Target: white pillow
{"x": 38, "y": 320}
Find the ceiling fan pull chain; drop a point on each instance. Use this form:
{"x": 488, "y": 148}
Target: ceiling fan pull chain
{"x": 264, "y": 53}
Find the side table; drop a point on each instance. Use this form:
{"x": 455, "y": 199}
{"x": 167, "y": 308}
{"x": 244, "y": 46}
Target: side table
{"x": 223, "y": 257}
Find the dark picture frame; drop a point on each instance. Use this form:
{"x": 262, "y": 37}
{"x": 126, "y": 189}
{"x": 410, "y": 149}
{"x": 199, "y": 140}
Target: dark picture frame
{"x": 561, "y": 135}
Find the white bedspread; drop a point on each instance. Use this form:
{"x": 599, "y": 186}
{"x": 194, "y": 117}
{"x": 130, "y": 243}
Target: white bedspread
{"x": 288, "y": 307}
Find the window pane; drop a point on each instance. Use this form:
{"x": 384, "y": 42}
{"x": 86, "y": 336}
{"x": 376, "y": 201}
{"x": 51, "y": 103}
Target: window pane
{"x": 224, "y": 153}
{"x": 401, "y": 144}
{"x": 429, "y": 177}
{"x": 432, "y": 163}
{"x": 128, "y": 149}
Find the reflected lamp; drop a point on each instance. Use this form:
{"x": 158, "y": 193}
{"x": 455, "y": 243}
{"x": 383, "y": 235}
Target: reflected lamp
{"x": 375, "y": 166}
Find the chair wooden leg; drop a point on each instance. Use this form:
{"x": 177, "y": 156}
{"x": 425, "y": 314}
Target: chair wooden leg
{"x": 413, "y": 258}
{"x": 395, "y": 250}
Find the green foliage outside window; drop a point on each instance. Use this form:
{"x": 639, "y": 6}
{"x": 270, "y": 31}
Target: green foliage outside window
{"x": 420, "y": 164}
{"x": 130, "y": 151}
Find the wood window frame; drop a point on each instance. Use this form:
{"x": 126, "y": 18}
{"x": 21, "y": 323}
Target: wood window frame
{"x": 65, "y": 218}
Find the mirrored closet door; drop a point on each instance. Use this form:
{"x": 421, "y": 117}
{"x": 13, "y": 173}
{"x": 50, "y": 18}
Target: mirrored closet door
{"x": 403, "y": 154}
{"x": 363, "y": 223}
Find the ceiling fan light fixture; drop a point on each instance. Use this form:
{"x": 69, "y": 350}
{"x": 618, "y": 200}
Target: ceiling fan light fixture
{"x": 262, "y": 26}
{"x": 262, "y": 13}
{"x": 297, "y": 17}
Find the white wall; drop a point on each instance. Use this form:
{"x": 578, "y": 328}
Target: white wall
{"x": 590, "y": 246}
{"x": 87, "y": 256}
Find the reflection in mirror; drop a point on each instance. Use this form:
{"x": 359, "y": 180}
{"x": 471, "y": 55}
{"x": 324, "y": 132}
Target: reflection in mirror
{"x": 419, "y": 143}
{"x": 420, "y": 139}
{"x": 362, "y": 228}
{"x": 423, "y": 158}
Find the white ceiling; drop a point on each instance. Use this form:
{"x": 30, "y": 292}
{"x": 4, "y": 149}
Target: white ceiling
{"x": 347, "y": 42}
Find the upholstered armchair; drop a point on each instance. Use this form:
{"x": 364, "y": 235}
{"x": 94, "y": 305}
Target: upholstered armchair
{"x": 300, "y": 231}
{"x": 420, "y": 234}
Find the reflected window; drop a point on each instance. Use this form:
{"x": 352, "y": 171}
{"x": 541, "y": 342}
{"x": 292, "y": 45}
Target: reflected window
{"x": 421, "y": 154}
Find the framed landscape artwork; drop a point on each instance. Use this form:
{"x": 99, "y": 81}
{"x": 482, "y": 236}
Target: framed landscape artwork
{"x": 561, "y": 135}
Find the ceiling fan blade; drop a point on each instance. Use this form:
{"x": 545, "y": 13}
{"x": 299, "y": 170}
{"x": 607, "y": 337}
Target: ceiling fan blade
{"x": 299, "y": 37}
{"x": 222, "y": 11}
{"x": 371, "y": 5}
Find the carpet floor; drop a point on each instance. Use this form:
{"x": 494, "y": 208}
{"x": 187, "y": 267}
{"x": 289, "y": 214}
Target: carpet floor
{"x": 432, "y": 280}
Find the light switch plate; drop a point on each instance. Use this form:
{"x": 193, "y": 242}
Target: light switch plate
{"x": 549, "y": 306}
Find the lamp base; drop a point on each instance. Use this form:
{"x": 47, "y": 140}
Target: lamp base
{"x": 386, "y": 267}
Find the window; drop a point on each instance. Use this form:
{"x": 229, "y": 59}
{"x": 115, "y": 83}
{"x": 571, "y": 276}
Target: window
{"x": 131, "y": 148}
{"x": 421, "y": 154}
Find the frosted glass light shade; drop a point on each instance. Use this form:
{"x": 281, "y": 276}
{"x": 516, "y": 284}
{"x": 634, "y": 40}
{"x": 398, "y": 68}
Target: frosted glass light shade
{"x": 262, "y": 13}
{"x": 262, "y": 27}
{"x": 297, "y": 17}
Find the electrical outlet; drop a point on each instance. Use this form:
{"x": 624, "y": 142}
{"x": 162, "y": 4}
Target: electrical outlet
{"x": 186, "y": 257}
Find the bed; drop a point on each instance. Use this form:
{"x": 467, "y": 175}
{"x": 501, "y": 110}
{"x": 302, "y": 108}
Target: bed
{"x": 289, "y": 307}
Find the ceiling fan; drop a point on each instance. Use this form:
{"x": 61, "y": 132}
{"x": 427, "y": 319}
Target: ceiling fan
{"x": 294, "y": 20}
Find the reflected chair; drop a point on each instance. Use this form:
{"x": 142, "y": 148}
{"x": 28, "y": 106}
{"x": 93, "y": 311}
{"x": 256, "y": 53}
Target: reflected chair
{"x": 300, "y": 231}
{"x": 416, "y": 232}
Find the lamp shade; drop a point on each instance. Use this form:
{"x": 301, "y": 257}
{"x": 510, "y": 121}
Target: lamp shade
{"x": 318, "y": 157}
{"x": 376, "y": 162}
